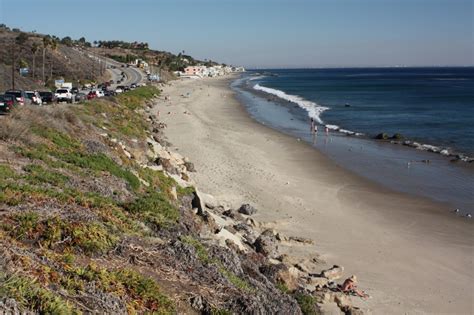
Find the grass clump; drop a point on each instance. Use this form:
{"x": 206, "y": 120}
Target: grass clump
{"x": 282, "y": 287}
{"x": 60, "y": 139}
{"x": 7, "y": 172}
{"x": 26, "y": 224}
{"x": 37, "y": 174}
{"x": 201, "y": 251}
{"x": 158, "y": 181}
{"x": 33, "y": 296}
{"x": 203, "y": 256}
{"x": 155, "y": 209}
{"x": 236, "y": 280}
{"x": 145, "y": 294}
{"x": 307, "y": 304}
{"x": 134, "y": 99}
{"x": 56, "y": 233}
{"x": 100, "y": 162}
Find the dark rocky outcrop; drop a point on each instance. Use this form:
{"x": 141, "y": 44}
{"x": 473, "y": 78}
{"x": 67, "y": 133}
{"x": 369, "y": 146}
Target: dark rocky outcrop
{"x": 247, "y": 209}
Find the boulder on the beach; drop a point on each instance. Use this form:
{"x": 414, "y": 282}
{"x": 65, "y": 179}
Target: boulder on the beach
{"x": 189, "y": 166}
{"x": 382, "y": 136}
{"x": 333, "y": 273}
{"x": 247, "y": 209}
{"x": 266, "y": 244}
{"x": 318, "y": 282}
{"x": 233, "y": 214}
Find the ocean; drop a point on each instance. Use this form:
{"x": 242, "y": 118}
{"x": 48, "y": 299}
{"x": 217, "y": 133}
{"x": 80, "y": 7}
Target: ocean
{"x": 431, "y": 108}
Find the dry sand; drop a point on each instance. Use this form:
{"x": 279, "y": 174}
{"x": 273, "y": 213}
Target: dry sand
{"x": 408, "y": 253}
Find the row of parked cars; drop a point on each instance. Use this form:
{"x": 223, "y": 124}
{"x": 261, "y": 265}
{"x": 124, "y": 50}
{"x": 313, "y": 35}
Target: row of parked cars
{"x": 12, "y": 98}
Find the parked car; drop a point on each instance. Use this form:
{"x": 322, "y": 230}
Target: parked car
{"x": 119, "y": 89}
{"x": 63, "y": 95}
{"x": 99, "y": 93}
{"x": 47, "y": 97}
{"x": 80, "y": 97}
{"x": 34, "y": 97}
{"x": 20, "y": 96}
{"x": 126, "y": 88}
{"x": 109, "y": 93}
{"x": 133, "y": 86}
{"x": 91, "y": 95}
{"x": 6, "y": 103}
{"x": 74, "y": 90}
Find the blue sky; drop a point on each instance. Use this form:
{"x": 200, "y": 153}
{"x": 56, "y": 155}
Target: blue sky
{"x": 268, "y": 33}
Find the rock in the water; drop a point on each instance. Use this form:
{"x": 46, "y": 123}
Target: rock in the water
{"x": 397, "y": 136}
{"x": 382, "y": 136}
{"x": 333, "y": 273}
{"x": 247, "y": 209}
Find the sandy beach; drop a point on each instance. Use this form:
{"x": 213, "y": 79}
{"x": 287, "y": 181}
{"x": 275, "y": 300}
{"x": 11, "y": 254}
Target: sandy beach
{"x": 408, "y": 253}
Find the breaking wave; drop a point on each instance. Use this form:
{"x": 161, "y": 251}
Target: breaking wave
{"x": 313, "y": 109}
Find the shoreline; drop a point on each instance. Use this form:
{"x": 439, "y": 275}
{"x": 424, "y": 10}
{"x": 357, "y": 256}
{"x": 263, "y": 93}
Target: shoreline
{"x": 351, "y": 220}
{"x": 396, "y": 167}
{"x": 276, "y": 95}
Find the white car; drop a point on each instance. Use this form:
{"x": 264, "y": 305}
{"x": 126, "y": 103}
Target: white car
{"x": 63, "y": 95}
{"x": 99, "y": 93}
{"x": 118, "y": 89}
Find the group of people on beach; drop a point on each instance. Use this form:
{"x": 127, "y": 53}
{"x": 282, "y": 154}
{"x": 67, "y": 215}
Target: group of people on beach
{"x": 314, "y": 127}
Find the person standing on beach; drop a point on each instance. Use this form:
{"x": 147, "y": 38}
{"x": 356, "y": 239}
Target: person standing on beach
{"x": 327, "y": 131}
{"x": 312, "y": 125}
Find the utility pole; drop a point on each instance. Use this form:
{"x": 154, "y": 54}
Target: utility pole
{"x": 13, "y": 64}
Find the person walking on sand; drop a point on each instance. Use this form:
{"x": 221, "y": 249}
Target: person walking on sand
{"x": 315, "y": 129}
{"x": 327, "y": 131}
{"x": 312, "y": 125}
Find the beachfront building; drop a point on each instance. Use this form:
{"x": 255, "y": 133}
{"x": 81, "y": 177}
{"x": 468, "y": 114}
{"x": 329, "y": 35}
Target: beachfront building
{"x": 203, "y": 71}
{"x": 195, "y": 70}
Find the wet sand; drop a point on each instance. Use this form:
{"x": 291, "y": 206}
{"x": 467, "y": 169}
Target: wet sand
{"x": 407, "y": 252}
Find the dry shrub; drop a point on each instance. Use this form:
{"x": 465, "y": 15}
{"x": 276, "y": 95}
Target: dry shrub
{"x": 18, "y": 125}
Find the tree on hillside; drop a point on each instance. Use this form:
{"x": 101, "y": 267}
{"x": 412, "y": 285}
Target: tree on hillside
{"x": 54, "y": 46}
{"x": 34, "y": 50}
{"x": 21, "y": 38}
{"x": 67, "y": 41}
{"x": 23, "y": 63}
{"x": 46, "y": 43}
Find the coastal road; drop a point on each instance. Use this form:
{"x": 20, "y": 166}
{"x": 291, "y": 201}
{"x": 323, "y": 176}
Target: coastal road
{"x": 132, "y": 74}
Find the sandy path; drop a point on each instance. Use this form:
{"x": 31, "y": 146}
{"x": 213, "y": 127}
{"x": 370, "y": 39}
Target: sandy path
{"x": 407, "y": 252}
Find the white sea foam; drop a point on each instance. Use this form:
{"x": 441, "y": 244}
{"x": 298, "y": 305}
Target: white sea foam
{"x": 333, "y": 127}
{"x": 313, "y": 109}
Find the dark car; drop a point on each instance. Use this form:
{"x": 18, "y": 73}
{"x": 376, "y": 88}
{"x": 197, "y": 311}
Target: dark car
{"x": 126, "y": 88}
{"x": 74, "y": 90}
{"x": 80, "y": 97}
{"x": 109, "y": 93}
{"x": 47, "y": 97}
{"x": 20, "y": 96}
{"x": 6, "y": 103}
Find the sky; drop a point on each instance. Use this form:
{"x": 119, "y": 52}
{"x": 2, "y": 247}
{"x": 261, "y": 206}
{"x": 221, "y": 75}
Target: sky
{"x": 268, "y": 33}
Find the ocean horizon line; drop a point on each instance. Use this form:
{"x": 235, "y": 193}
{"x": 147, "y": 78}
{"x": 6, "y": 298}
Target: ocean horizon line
{"x": 357, "y": 67}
